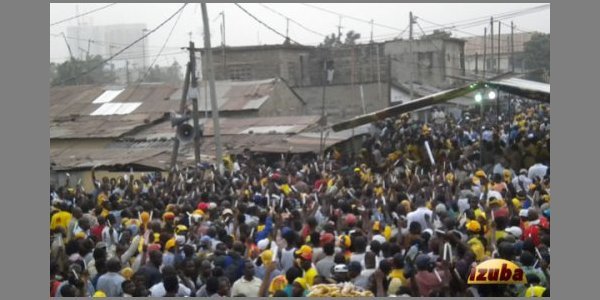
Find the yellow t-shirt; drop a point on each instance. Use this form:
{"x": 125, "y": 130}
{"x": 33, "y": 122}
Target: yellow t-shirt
{"x": 61, "y": 218}
{"x": 535, "y": 291}
{"x": 310, "y": 275}
{"x": 399, "y": 274}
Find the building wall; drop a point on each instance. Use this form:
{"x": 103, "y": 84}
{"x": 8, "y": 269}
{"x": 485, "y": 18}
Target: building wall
{"x": 282, "y": 103}
{"x": 343, "y": 101}
{"x": 257, "y": 63}
{"x": 352, "y": 64}
{"x": 434, "y": 61}
{"x": 505, "y": 63}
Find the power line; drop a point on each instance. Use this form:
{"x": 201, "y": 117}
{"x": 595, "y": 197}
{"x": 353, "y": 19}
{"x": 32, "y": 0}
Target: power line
{"x": 485, "y": 19}
{"x": 158, "y": 55}
{"x": 482, "y": 21}
{"x": 350, "y": 17}
{"x": 132, "y": 57}
{"x": 293, "y": 21}
{"x": 83, "y": 14}
{"x": 127, "y": 47}
{"x": 264, "y": 24}
{"x": 100, "y": 42}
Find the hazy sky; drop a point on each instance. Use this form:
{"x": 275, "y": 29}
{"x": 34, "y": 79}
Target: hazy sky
{"x": 390, "y": 20}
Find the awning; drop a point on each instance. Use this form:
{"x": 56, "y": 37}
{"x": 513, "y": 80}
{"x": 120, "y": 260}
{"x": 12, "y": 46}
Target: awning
{"x": 525, "y": 88}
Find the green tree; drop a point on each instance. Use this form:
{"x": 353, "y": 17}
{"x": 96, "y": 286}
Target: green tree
{"x": 537, "y": 52}
{"x": 170, "y": 74}
{"x": 438, "y": 34}
{"x": 76, "y": 71}
{"x": 334, "y": 40}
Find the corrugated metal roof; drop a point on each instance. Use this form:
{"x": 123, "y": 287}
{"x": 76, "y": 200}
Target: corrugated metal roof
{"x": 235, "y": 95}
{"x": 73, "y": 158}
{"x": 116, "y": 108}
{"x": 231, "y": 126}
{"x": 100, "y": 126}
{"x": 73, "y": 113}
{"x": 108, "y": 96}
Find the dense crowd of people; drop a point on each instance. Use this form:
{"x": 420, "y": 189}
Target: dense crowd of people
{"x": 410, "y": 214}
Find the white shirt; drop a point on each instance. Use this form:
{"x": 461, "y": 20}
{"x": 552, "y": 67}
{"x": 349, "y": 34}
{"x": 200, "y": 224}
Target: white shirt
{"x": 419, "y": 216}
{"x": 158, "y": 290}
{"x": 524, "y": 180}
{"x": 537, "y": 170}
{"x": 247, "y": 288}
{"x": 106, "y": 237}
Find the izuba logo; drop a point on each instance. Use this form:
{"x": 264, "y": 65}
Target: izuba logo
{"x": 497, "y": 271}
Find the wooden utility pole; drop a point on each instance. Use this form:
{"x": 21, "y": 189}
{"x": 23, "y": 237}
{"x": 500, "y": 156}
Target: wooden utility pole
{"x": 186, "y": 85}
{"x": 484, "y": 50}
{"x": 476, "y": 63}
{"x": 512, "y": 47}
{"x": 213, "y": 92}
{"x": 127, "y": 71}
{"x": 493, "y": 67}
{"x": 223, "y": 53}
{"x": 410, "y": 50}
{"x": 194, "y": 84}
{"x": 499, "y": 27}
{"x": 323, "y": 120}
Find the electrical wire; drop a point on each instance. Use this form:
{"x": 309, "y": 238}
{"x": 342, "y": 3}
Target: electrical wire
{"x": 351, "y": 17}
{"x": 264, "y": 24}
{"x": 145, "y": 75}
{"x": 293, "y": 21}
{"x": 484, "y": 20}
{"x": 127, "y": 47}
{"x": 81, "y": 15}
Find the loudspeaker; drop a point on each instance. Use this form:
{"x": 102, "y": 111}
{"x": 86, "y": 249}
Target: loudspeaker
{"x": 185, "y": 133}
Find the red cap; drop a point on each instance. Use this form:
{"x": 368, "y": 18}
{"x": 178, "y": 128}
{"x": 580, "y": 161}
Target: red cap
{"x": 203, "y": 206}
{"x": 327, "y": 238}
{"x": 350, "y": 219}
{"x": 153, "y": 247}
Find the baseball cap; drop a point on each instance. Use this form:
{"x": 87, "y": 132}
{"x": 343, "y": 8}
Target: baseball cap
{"x": 305, "y": 252}
{"x": 263, "y": 244}
{"x": 327, "y": 238}
{"x": 515, "y": 231}
{"x": 340, "y": 268}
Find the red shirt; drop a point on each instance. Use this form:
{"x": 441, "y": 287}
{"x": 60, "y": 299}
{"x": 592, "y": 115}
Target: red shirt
{"x": 97, "y": 232}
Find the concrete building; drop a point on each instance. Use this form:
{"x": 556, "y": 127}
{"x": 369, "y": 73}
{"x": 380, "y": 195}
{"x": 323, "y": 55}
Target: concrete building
{"x": 261, "y": 62}
{"x": 361, "y": 79}
{"x": 474, "y": 62}
{"x": 435, "y": 62}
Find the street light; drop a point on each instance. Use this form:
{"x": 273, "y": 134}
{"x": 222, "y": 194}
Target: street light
{"x": 492, "y": 95}
{"x": 478, "y": 97}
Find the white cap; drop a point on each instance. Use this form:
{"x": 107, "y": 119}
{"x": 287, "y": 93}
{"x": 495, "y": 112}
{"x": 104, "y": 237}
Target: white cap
{"x": 263, "y": 244}
{"x": 440, "y": 208}
{"x": 523, "y": 213}
{"x": 515, "y": 231}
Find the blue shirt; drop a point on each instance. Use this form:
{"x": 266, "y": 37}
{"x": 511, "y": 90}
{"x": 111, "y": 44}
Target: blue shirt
{"x": 110, "y": 284}
{"x": 263, "y": 234}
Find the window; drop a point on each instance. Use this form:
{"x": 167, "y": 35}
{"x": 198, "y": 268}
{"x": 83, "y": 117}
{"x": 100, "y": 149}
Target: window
{"x": 292, "y": 76}
{"x": 240, "y": 72}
